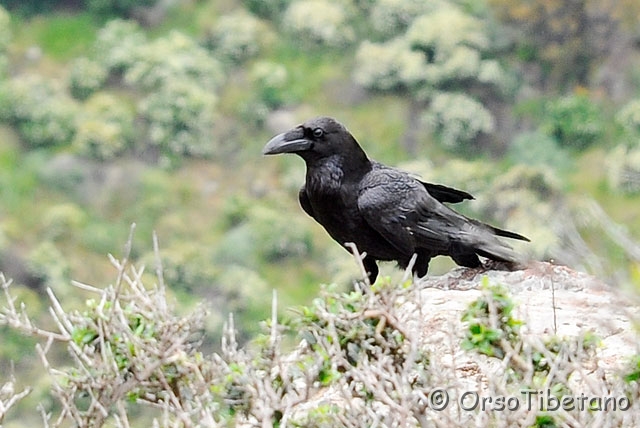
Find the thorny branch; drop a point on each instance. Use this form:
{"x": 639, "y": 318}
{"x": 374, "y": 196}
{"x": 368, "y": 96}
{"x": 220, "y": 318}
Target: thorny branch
{"x": 363, "y": 362}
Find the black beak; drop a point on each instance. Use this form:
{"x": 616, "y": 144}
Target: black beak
{"x": 289, "y": 142}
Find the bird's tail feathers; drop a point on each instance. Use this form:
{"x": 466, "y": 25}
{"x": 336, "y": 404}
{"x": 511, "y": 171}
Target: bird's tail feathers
{"x": 509, "y": 234}
{"x": 500, "y": 252}
{"x": 488, "y": 245}
{"x": 501, "y": 232}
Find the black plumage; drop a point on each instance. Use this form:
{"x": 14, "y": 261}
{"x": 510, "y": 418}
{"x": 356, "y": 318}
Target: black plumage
{"x": 385, "y": 212}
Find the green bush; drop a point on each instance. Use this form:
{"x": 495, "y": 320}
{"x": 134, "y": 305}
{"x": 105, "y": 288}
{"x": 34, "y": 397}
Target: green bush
{"x": 41, "y": 110}
{"x": 575, "y": 121}
{"x": 62, "y": 220}
{"x": 118, "y": 43}
{"x": 105, "y": 127}
{"x": 180, "y": 119}
{"x": 319, "y": 23}
{"x": 392, "y": 17}
{"x": 431, "y": 32}
{"x": 629, "y": 118}
{"x": 623, "y": 169}
{"x": 457, "y": 119}
{"x": 186, "y": 265}
{"x": 86, "y": 77}
{"x": 449, "y": 55}
{"x": 237, "y": 37}
{"x": 175, "y": 57}
{"x": 428, "y": 56}
{"x": 128, "y": 350}
{"x": 47, "y": 262}
{"x": 389, "y": 66}
{"x": 271, "y": 80}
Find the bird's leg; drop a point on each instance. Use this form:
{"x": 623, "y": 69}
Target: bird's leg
{"x": 372, "y": 269}
{"x": 421, "y": 266}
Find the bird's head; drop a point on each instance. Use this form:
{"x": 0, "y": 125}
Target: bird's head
{"x": 315, "y": 139}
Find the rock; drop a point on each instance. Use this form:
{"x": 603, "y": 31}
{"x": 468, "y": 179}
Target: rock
{"x": 559, "y": 307}
{"x": 550, "y": 299}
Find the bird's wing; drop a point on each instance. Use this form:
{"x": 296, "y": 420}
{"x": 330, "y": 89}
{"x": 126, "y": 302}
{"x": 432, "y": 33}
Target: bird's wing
{"x": 390, "y": 202}
{"x": 304, "y": 201}
{"x": 446, "y": 194}
{"x": 440, "y": 192}
{"x": 401, "y": 209}
{"x": 374, "y": 207}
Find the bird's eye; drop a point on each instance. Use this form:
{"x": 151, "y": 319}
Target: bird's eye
{"x": 318, "y": 132}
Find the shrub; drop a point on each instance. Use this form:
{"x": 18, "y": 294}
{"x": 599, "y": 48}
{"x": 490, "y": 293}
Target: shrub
{"x": 270, "y": 80}
{"x": 574, "y": 121}
{"x": 392, "y": 17}
{"x": 60, "y": 221}
{"x": 237, "y": 37}
{"x": 186, "y": 265}
{"x": 629, "y": 118}
{"x": 376, "y": 350}
{"x": 175, "y": 57}
{"x": 86, "y": 77}
{"x": 105, "y": 127}
{"x": 389, "y": 66}
{"x": 42, "y": 112}
{"x": 180, "y": 118}
{"x": 457, "y": 119}
{"x": 623, "y": 169}
{"x": 47, "y": 262}
{"x": 118, "y": 44}
{"x": 431, "y": 33}
{"x": 319, "y": 23}
{"x": 448, "y": 55}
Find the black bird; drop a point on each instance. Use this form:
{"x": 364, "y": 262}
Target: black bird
{"x": 387, "y": 213}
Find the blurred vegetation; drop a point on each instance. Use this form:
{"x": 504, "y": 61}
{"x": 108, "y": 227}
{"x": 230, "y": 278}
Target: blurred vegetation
{"x": 154, "y": 113}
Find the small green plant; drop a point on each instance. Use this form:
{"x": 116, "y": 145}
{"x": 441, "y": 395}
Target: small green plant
{"x": 633, "y": 375}
{"x": 545, "y": 421}
{"x": 491, "y": 321}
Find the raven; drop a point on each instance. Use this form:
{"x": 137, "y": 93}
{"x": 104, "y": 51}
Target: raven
{"x": 388, "y": 214}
